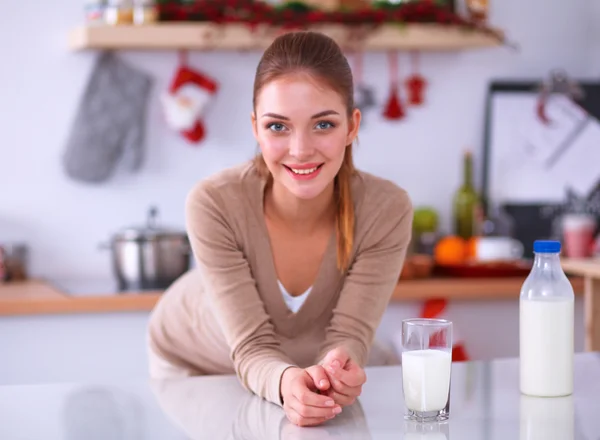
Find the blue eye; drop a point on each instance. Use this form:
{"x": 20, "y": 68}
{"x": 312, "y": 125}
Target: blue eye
{"x": 324, "y": 125}
{"x": 276, "y": 126}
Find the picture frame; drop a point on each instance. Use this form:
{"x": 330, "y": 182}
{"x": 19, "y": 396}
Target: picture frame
{"x": 536, "y": 196}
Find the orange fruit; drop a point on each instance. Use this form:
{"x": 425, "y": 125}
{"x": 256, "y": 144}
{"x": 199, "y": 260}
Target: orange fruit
{"x": 450, "y": 250}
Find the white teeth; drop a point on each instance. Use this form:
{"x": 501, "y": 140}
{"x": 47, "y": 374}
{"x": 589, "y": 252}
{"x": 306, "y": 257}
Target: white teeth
{"x": 308, "y": 171}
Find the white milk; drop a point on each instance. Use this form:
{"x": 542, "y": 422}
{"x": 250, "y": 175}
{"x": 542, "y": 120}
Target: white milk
{"x": 426, "y": 379}
{"x": 546, "y": 346}
{"x": 544, "y": 418}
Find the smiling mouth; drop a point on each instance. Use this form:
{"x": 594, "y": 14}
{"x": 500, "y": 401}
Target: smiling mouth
{"x": 305, "y": 171}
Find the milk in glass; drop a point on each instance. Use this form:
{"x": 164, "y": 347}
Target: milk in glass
{"x": 426, "y": 379}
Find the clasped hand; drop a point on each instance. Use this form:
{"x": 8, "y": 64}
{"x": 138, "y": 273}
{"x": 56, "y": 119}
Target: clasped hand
{"x": 318, "y": 393}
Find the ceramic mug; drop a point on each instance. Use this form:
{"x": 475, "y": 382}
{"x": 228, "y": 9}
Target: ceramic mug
{"x": 578, "y": 235}
{"x": 498, "y": 249}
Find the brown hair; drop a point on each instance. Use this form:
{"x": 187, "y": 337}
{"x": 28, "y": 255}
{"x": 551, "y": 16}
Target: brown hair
{"x": 319, "y": 56}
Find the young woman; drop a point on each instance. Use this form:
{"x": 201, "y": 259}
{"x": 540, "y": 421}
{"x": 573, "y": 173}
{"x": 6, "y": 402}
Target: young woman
{"x": 298, "y": 253}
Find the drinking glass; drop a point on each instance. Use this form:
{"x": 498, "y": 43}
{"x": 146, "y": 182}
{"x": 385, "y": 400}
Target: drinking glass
{"x": 426, "y": 368}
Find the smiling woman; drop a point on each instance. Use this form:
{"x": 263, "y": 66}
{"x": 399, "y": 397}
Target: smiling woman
{"x": 298, "y": 253}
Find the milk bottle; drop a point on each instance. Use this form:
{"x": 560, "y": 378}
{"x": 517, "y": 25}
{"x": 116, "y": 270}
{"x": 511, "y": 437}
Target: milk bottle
{"x": 546, "y": 326}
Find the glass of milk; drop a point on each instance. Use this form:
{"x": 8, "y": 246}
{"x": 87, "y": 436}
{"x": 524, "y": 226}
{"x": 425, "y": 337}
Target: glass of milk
{"x": 426, "y": 368}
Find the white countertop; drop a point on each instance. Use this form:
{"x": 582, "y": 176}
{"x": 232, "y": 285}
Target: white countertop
{"x": 485, "y": 405}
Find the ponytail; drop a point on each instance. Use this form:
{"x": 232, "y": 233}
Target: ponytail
{"x": 345, "y": 211}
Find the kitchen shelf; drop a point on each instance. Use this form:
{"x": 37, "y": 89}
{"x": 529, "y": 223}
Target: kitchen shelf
{"x": 210, "y": 36}
{"x": 37, "y": 297}
{"x": 466, "y": 288}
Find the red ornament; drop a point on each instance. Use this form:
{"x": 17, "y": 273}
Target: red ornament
{"x": 415, "y": 83}
{"x": 394, "y": 109}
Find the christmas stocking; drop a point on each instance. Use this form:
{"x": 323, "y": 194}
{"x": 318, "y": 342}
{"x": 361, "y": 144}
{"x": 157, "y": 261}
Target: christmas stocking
{"x": 186, "y": 101}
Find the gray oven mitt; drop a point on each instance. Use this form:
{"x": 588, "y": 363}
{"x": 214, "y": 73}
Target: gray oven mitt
{"x": 110, "y": 121}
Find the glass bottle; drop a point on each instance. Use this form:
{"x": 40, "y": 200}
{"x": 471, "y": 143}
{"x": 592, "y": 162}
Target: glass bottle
{"x": 546, "y": 320}
{"x": 145, "y": 12}
{"x": 466, "y": 206}
{"x": 119, "y": 12}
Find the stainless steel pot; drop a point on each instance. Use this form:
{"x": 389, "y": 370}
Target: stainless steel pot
{"x": 149, "y": 257}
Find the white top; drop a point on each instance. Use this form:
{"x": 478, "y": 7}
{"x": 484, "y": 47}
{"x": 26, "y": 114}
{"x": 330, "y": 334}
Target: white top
{"x": 293, "y": 302}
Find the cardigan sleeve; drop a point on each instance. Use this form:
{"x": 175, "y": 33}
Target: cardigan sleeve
{"x": 370, "y": 280}
{"x": 255, "y": 351}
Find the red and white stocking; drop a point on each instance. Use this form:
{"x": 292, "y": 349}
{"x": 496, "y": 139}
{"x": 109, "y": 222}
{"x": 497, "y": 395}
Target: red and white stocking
{"x": 185, "y": 102}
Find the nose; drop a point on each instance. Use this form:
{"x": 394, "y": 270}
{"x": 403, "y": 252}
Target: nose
{"x": 300, "y": 146}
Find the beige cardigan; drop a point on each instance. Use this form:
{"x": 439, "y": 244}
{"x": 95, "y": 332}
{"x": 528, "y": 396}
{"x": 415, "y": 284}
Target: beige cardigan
{"x": 229, "y": 315}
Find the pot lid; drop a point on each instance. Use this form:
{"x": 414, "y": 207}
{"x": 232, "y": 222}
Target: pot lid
{"x": 150, "y": 230}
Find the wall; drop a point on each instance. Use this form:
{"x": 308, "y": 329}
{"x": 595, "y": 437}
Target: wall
{"x": 64, "y": 221}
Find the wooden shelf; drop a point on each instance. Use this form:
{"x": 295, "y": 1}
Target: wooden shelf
{"x": 36, "y": 297}
{"x": 480, "y": 289}
{"x": 585, "y": 267}
{"x": 209, "y": 36}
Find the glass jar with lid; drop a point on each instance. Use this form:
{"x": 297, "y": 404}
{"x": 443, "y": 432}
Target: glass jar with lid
{"x": 119, "y": 12}
{"x": 145, "y": 12}
{"x": 94, "y": 12}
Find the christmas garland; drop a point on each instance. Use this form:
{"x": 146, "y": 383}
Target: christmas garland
{"x": 295, "y": 14}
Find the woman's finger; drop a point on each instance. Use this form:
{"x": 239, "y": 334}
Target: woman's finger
{"x": 306, "y": 396}
{"x": 352, "y": 377}
{"x": 297, "y": 419}
{"x": 342, "y": 388}
{"x": 319, "y": 376}
{"x": 308, "y": 411}
{"x": 341, "y": 399}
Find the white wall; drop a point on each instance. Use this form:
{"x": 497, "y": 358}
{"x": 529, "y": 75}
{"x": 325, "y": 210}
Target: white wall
{"x": 64, "y": 221}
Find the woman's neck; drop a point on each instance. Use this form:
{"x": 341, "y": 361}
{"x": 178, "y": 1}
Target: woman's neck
{"x": 299, "y": 214}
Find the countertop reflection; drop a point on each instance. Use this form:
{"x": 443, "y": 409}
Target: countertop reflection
{"x": 485, "y": 405}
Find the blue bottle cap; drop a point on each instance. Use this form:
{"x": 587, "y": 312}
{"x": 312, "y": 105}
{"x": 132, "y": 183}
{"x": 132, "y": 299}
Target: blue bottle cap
{"x": 546, "y": 246}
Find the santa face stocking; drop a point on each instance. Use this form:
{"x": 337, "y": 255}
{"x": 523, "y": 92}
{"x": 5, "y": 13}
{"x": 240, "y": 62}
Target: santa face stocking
{"x": 110, "y": 120}
{"x": 186, "y": 101}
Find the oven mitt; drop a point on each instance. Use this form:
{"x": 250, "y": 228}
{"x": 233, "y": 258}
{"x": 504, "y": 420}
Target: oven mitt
{"x": 110, "y": 121}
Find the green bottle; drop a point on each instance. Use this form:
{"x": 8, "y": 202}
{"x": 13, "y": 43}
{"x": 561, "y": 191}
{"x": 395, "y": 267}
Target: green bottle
{"x": 466, "y": 203}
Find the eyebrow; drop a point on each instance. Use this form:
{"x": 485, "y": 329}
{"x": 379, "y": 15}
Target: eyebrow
{"x": 315, "y": 116}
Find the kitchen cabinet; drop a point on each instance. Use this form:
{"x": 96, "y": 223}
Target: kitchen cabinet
{"x": 73, "y": 347}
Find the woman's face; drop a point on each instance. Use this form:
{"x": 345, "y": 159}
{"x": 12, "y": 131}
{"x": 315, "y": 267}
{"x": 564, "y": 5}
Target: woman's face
{"x": 303, "y": 129}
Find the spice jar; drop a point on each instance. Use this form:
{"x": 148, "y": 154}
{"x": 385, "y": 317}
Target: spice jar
{"x": 13, "y": 261}
{"x": 119, "y": 12}
{"x": 145, "y": 12}
{"x": 478, "y": 10}
{"x": 94, "y": 11}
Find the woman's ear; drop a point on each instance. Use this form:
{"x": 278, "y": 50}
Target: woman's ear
{"x": 353, "y": 126}
{"x": 254, "y": 126}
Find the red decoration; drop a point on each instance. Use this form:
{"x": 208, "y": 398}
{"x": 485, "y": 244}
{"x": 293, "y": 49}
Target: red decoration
{"x": 415, "y": 83}
{"x": 437, "y": 309}
{"x": 394, "y": 109}
{"x": 296, "y": 15}
{"x": 189, "y": 93}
